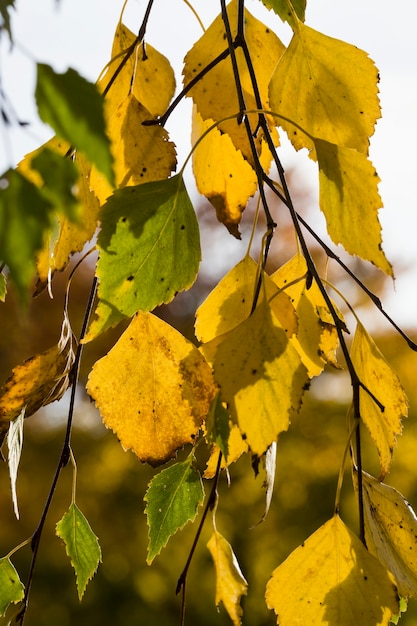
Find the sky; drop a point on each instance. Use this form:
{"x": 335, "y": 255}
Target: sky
{"x": 79, "y": 33}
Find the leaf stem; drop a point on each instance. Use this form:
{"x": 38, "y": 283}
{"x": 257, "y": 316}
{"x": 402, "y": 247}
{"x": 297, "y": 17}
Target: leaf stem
{"x": 64, "y": 457}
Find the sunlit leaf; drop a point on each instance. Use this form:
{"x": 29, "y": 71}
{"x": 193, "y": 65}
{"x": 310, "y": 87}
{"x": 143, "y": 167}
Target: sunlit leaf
{"x": 153, "y": 389}
{"x": 141, "y": 153}
{"x": 147, "y": 74}
{"x": 173, "y": 498}
{"x": 314, "y": 87}
{"x": 351, "y": 214}
{"x": 281, "y": 8}
{"x": 11, "y": 588}
{"x": 215, "y": 94}
{"x": 81, "y": 544}
{"x": 25, "y": 215}
{"x": 230, "y": 582}
{"x": 236, "y": 446}
{"x": 332, "y": 579}
{"x": 230, "y": 302}
{"x": 391, "y": 532}
{"x": 149, "y": 250}
{"x": 377, "y": 375}
{"x": 222, "y": 174}
{"x": 74, "y": 109}
{"x": 261, "y": 377}
{"x": 316, "y": 339}
{"x": 40, "y": 380}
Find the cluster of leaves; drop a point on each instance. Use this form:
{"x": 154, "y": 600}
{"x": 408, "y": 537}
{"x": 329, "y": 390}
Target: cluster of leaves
{"x": 262, "y": 337}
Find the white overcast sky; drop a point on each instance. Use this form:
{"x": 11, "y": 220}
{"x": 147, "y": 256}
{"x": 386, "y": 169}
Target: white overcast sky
{"x": 78, "y": 34}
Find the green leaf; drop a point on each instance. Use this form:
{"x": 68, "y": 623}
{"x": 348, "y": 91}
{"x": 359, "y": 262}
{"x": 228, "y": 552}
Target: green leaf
{"x": 59, "y": 175}
{"x": 172, "y": 500}
{"x": 281, "y": 8}
{"x": 218, "y": 425}
{"x": 149, "y": 250}
{"x": 5, "y": 6}
{"x": 24, "y": 217}
{"x": 11, "y": 588}
{"x": 74, "y": 109}
{"x": 81, "y": 545}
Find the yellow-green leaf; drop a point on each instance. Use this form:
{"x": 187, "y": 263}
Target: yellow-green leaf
{"x": 282, "y": 8}
{"x": 332, "y": 579}
{"x": 40, "y": 380}
{"x": 378, "y": 376}
{"x": 261, "y": 376}
{"x": 141, "y": 153}
{"x": 215, "y": 94}
{"x": 391, "y": 532}
{"x": 153, "y": 389}
{"x": 149, "y": 250}
{"x": 350, "y": 201}
{"x": 328, "y": 88}
{"x": 11, "y": 588}
{"x": 230, "y": 582}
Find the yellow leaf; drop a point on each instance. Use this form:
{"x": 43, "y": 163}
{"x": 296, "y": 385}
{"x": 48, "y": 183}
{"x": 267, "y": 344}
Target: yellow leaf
{"x": 350, "y": 201}
{"x": 391, "y": 532}
{"x": 153, "y": 389}
{"x": 260, "y": 375}
{"x": 316, "y": 340}
{"x": 230, "y": 302}
{"x": 40, "y": 380}
{"x": 377, "y": 375}
{"x": 328, "y": 88}
{"x": 215, "y": 94}
{"x": 141, "y": 153}
{"x": 222, "y": 174}
{"x": 332, "y": 579}
{"x": 147, "y": 74}
{"x": 230, "y": 582}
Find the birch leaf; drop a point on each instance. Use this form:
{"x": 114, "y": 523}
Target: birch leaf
{"x": 230, "y": 582}
{"x": 141, "y": 153}
{"x": 153, "y": 389}
{"x": 314, "y": 86}
{"x": 215, "y": 94}
{"x": 316, "y": 583}
{"x": 236, "y": 446}
{"x": 316, "y": 339}
{"x": 280, "y": 7}
{"x": 147, "y": 74}
{"x": 377, "y": 375}
{"x": 40, "y": 380}
{"x": 81, "y": 545}
{"x": 149, "y": 247}
{"x": 173, "y": 498}
{"x": 391, "y": 532}
{"x": 260, "y": 375}
{"x": 15, "y": 445}
{"x": 11, "y": 588}
{"x": 222, "y": 174}
{"x": 74, "y": 109}
{"x": 230, "y": 302}
{"x": 350, "y": 201}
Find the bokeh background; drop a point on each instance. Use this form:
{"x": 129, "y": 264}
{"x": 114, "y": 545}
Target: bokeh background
{"x": 111, "y": 483}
